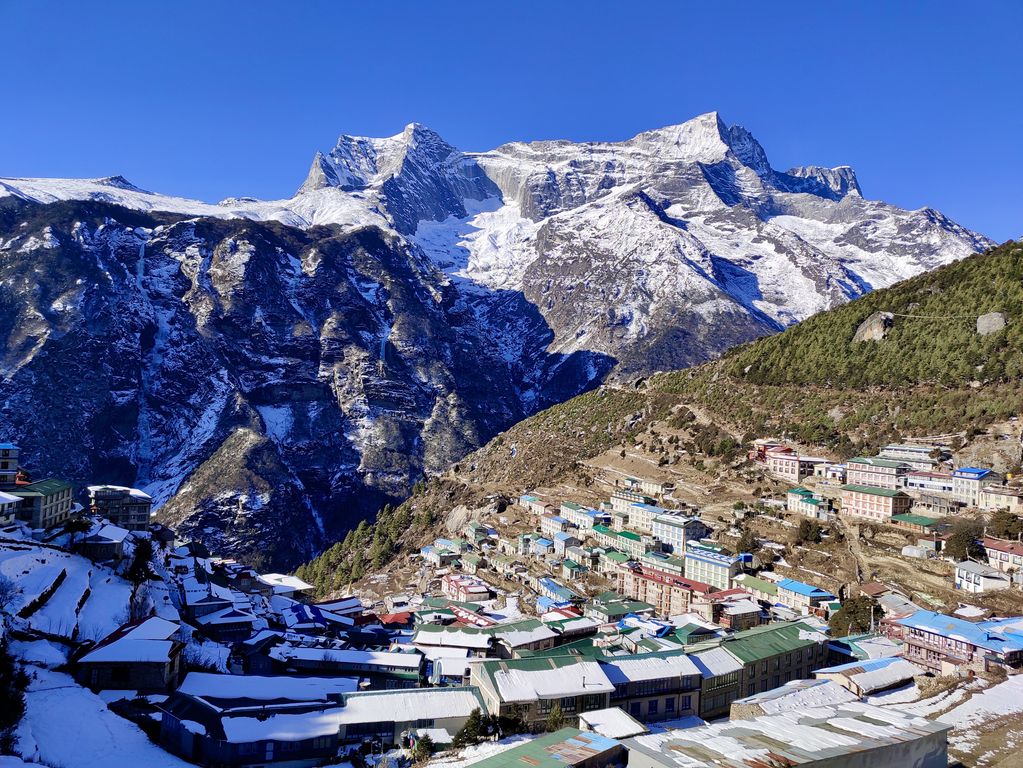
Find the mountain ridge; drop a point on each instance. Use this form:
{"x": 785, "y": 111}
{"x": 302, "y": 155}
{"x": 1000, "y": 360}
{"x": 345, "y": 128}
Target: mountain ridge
{"x": 408, "y": 303}
{"x": 797, "y": 385}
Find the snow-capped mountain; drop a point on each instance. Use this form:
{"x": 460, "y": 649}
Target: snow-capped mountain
{"x": 274, "y": 370}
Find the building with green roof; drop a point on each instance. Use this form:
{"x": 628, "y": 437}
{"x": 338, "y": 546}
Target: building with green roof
{"x": 46, "y": 503}
{"x": 874, "y": 503}
{"x": 566, "y": 748}
{"x": 624, "y": 541}
{"x": 917, "y": 523}
{"x": 876, "y": 472}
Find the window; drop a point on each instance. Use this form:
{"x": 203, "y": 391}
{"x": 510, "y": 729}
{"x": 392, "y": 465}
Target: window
{"x": 544, "y": 706}
{"x": 687, "y": 702}
{"x": 651, "y": 707}
{"x": 568, "y": 704}
{"x": 669, "y": 704}
{"x": 634, "y": 709}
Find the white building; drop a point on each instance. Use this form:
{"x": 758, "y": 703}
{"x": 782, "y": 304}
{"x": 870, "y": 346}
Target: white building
{"x": 711, "y": 565}
{"x": 583, "y": 518}
{"x": 929, "y": 482}
{"x": 677, "y": 530}
{"x": 8, "y": 507}
{"x": 1001, "y": 497}
{"x": 876, "y": 472}
{"x": 917, "y": 456}
{"x": 978, "y": 577}
{"x": 791, "y": 467}
{"x": 967, "y": 483}
{"x": 535, "y": 504}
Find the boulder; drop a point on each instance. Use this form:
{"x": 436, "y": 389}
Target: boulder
{"x": 990, "y": 323}
{"x": 875, "y": 327}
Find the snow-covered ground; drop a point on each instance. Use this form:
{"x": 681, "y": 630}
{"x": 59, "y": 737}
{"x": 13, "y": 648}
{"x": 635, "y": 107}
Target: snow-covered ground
{"x": 998, "y": 701}
{"x": 67, "y": 726}
{"x": 474, "y": 754}
{"x": 91, "y": 599}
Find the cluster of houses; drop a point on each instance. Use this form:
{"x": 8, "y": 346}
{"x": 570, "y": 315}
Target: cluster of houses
{"x": 48, "y": 503}
{"x": 912, "y": 487}
{"x": 900, "y": 480}
{"x": 686, "y": 654}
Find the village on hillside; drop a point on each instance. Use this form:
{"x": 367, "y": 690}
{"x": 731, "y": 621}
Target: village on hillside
{"x": 869, "y": 609}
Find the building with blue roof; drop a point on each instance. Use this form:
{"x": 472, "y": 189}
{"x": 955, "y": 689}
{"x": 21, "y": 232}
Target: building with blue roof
{"x": 563, "y": 540}
{"x": 967, "y": 483}
{"x": 557, "y": 594}
{"x": 798, "y": 595}
{"x": 543, "y": 546}
{"x": 946, "y": 644}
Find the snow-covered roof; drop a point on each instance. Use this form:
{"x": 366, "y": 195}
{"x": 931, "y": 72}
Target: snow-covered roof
{"x": 716, "y": 661}
{"x": 808, "y": 737}
{"x": 227, "y": 616}
{"x": 281, "y": 726}
{"x": 211, "y": 686}
{"x": 7, "y": 498}
{"x": 148, "y": 641}
{"x": 649, "y": 667}
{"x": 299, "y": 614}
{"x": 800, "y": 694}
{"x": 407, "y": 705}
{"x": 109, "y": 532}
{"x": 450, "y": 638}
{"x": 549, "y": 682}
{"x": 135, "y": 493}
{"x": 612, "y": 722}
{"x": 342, "y": 605}
{"x": 875, "y": 674}
{"x": 348, "y": 656}
{"x": 282, "y": 582}
{"x": 145, "y": 644}
{"x": 523, "y": 633}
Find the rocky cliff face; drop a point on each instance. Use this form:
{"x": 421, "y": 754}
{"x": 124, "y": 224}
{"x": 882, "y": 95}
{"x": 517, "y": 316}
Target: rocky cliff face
{"x": 270, "y": 386}
{"x": 273, "y": 371}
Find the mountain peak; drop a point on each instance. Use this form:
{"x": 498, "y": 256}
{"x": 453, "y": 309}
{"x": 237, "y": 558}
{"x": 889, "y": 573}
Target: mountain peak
{"x": 703, "y": 138}
{"x": 357, "y": 162}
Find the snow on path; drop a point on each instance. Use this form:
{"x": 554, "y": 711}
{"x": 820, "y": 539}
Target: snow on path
{"x": 67, "y": 726}
{"x": 944, "y": 700}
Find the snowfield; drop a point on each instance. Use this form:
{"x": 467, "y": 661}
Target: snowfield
{"x": 67, "y": 726}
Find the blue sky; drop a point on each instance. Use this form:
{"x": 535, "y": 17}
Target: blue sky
{"x": 211, "y": 99}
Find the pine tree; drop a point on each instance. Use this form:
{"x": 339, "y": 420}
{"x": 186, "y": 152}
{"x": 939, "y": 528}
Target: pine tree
{"x": 471, "y": 732}
{"x": 423, "y": 749}
{"x": 556, "y": 719}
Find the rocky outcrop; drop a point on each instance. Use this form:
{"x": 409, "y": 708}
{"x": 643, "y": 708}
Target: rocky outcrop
{"x": 990, "y": 323}
{"x": 875, "y": 327}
